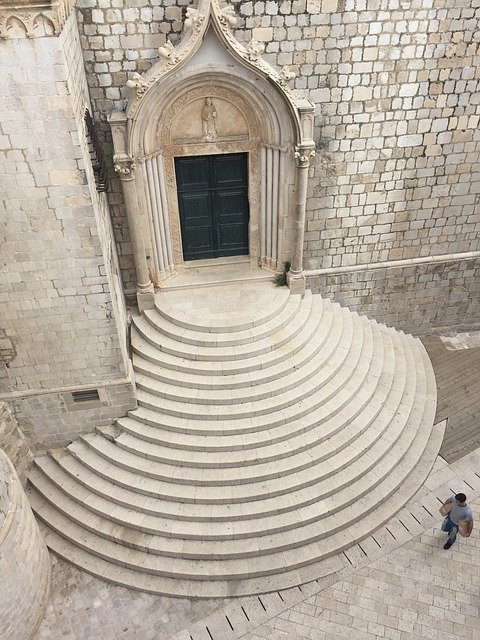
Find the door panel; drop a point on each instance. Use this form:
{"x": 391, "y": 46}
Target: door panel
{"x": 230, "y": 170}
{"x": 213, "y": 201}
{"x": 197, "y": 227}
{"x": 232, "y": 232}
{"x": 193, "y": 173}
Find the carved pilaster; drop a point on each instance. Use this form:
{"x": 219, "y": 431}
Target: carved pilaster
{"x": 303, "y": 156}
{"x": 31, "y": 19}
{"x": 125, "y": 167}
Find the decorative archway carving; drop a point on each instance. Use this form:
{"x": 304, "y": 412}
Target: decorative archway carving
{"x": 277, "y": 128}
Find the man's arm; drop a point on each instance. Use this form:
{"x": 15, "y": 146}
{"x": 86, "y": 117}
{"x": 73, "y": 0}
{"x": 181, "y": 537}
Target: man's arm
{"x": 446, "y": 507}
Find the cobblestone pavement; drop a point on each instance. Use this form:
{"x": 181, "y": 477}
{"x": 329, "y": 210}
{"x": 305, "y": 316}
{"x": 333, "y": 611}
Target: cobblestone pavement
{"x": 83, "y": 607}
{"x": 417, "y": 591}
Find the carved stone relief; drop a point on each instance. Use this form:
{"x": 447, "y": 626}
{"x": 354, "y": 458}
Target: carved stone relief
{"x": 28, "y": 19}
{"x": 169, "y": 53}
{"x": 208, "y": 120}
{"x": 204, "y": 115}
{"x": 194, "y": 20}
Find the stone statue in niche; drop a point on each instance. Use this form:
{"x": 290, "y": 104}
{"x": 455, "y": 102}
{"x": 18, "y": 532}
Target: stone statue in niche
{"x": 209, "y": 121}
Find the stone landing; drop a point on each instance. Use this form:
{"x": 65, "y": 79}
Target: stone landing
{"x": 272, "y": 433}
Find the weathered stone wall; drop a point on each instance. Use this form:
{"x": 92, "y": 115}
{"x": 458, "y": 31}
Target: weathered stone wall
{"x": 13, "y": 443}
{"x": 396, "y": 89}
{"x": 62, "y": 312}
{"x": 119, "y": 36}
{"x": 53, "y": 419}
{"x": 24, "y": 561}
{"x": 80, "y": 99}
{"x": 428, "y": 297}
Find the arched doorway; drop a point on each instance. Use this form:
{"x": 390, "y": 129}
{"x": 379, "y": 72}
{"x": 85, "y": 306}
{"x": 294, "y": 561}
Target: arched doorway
{"x": 217, "y": 102}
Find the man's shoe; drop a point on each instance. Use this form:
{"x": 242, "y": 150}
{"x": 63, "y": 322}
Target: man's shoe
{"x": 447, "y": 545}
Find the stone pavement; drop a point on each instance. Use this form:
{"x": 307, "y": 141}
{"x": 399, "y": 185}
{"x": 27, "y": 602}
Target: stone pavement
{"x": 417, "y": 591}
{"x": 399, "y": 585}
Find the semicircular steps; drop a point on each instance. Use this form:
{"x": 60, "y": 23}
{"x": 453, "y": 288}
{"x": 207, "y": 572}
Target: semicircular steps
{"x": 264, "y": 444}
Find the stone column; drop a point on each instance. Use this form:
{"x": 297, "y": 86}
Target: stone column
{"x": 125, "y": 167}
{"x": 296, "y": 277}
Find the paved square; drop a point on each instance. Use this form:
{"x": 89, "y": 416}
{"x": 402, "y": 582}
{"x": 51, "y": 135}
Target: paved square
{"x": 416, "y": 591}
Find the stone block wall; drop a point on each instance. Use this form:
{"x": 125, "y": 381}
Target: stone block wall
{"x": 422, "y": 298}
{"x": 80, "y": 99}
{"x": 395, "y": 85}
{"x": 53, "y": 419}
{"x": 24, "y": 561}
{"x": 63, "y": 318}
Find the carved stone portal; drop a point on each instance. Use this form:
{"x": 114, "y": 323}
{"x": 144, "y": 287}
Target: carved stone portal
{"x": 220, "y": 100}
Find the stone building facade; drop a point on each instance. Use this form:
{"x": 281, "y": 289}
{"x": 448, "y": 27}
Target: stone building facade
{"x": 379, "y": 99}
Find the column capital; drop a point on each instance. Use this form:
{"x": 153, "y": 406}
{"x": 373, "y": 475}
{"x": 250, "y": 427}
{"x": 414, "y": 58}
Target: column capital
{"x": 125, "y": 166}
{"x": 303, "y": 156}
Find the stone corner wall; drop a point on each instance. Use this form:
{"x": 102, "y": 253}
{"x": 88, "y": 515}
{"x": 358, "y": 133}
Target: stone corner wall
{"x": 24, "y": 561}
{"x": 13, "y": 442}
{"x": 63, "y": 321}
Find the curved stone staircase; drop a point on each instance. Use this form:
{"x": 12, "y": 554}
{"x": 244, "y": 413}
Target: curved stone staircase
{"x": 271, "y": 434}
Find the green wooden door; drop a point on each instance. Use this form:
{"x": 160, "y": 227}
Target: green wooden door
{"x": 213, "y": 202}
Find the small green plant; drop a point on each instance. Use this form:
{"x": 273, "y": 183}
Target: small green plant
{"x": 281, "y": 278}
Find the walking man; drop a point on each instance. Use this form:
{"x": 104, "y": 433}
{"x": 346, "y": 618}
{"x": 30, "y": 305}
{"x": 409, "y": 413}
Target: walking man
{"x": 456, "y": 510}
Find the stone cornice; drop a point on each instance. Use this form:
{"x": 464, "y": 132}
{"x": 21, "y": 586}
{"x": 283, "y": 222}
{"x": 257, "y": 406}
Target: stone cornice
{"x": 33, "y": 18}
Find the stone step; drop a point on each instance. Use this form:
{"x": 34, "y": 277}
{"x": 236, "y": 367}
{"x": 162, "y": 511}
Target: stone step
{"x": 252, "y": 430}
{"x": 227, "y": 320}
{"x": 158, "y": 585}
{"x": 243, "y": 568}
{"x": 317, "y": 372}
{"x": 257, "y": 348}
{"x": 319, "y": 321}
{"x": 166, "y": 327}
{"x": 324, "y": 455}
{"x": 194, "y": 450}
{"x": 292, "y": 404}
{"x": 329, "y": 496}
{"x": 161, "y": 537}
{"x": 266, "y": 441}
{"x": 320, "y": 346}
{"x": 206, "y": 588}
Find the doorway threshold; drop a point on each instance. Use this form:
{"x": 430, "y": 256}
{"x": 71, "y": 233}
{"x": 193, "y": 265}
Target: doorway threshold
{"x": 216, "y": 272}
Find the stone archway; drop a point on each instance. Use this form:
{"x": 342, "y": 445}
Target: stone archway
{"x": 257, "y": 114}
{"x": 248, "y": 122}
